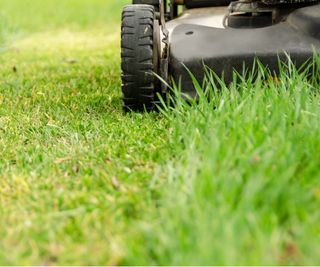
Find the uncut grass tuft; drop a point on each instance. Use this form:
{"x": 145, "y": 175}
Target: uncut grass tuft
{"x": 244, "y": 187}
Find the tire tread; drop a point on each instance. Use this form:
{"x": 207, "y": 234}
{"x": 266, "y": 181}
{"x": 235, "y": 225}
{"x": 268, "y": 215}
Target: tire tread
{"x": 138, "y": 87}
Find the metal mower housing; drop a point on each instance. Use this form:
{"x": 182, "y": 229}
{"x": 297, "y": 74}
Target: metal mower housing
{"x": 228, "y": 36}
{"x": 198, "y": 38}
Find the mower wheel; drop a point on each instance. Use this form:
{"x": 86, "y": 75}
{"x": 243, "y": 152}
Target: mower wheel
{"x": 139, "y": 58}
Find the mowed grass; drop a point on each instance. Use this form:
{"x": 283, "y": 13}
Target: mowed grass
{"x": 74, "y": 171}
{"x": 235, "y": 180}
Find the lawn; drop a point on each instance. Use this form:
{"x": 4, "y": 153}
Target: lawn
{"x": 235, "y": 180}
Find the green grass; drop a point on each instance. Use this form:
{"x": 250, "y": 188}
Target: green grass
{"x": 230, "y": 181}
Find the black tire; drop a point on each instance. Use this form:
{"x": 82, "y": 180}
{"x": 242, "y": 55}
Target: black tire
{"x": 138, "y": 58}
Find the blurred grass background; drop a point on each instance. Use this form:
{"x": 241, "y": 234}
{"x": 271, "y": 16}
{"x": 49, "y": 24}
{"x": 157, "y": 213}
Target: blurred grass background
{"x": 31, "y": 16}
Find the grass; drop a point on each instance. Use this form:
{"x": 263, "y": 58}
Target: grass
{"x": 245, "y": 189}
{"x": 234, "y": 180}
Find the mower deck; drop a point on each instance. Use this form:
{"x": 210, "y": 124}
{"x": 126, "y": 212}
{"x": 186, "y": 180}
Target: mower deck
{"x": 198, "y": 37}
{"x": 224, "y": 35}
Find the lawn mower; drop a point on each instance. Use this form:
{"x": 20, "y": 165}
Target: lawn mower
{"x": 168, "y": 40}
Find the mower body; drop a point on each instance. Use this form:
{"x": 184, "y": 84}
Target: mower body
{"x": 223, "y": 35}
{"x": 199, "y": 37}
